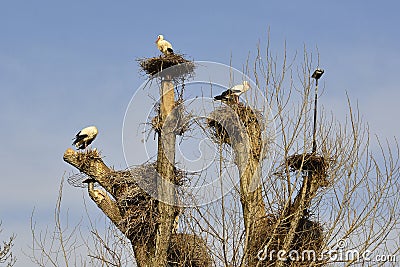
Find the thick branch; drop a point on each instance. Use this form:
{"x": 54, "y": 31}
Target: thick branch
{"x": 92, "y": 165}
{"x": 301, "y": 203}
{"x": 107, "y": 205}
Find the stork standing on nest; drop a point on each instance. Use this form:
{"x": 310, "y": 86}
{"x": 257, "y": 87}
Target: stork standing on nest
{"x": 233, "y": 93}
{"x": 164, "y": 46}
{"x": 85, "y": 137}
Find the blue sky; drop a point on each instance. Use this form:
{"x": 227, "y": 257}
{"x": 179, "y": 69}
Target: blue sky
{"x": 65, "y": 65}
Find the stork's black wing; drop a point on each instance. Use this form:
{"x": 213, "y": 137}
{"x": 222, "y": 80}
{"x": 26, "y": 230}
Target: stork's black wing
{"x": 227, "y": 93}
{"x": 79, "y": 137}
{"x": 225, "y": 96}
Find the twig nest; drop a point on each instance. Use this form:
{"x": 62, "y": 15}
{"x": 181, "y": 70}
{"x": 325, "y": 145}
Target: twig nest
{"x": 235, "y": 122}
{"x": 188, "y": 250}
{"x": 171, "y": 66}
{"x": 310, "y": 162}
{"x": 139, "y": 210}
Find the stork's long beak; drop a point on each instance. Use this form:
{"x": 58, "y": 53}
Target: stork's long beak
{"x": 157, "y": 39}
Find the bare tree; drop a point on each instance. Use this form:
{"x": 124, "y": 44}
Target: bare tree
{"x": 336, "y": 203}
{"x": 340, "y": 198}
{"x": 347, "y": 188}
{"x": 6, "y": 256}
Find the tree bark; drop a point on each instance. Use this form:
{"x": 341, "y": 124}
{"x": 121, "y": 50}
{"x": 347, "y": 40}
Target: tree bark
{"x": 301, "y": 202}
{"x": 252, "y": 206}
{"x": 92, "y": 165}
{"x": 166, "y": 171}
{"x": 106, "y": 204}
{"x": 248, "y": 156}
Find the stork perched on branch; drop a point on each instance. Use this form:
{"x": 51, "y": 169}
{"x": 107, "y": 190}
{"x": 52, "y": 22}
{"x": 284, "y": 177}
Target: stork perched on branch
{"x": 85, "y": 137}
{"x": 234, "y": 92}
{"x": 164, "y": 46}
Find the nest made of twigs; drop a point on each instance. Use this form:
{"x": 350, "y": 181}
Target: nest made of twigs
{"x": 308, "y": 237}
{"x": 172, "y": 66}
{"x": 134, "y": 190}
{"x": 188, "y": 250}
{"x": 318, "y": 165}
{"x": 139, "y": 212}
{"x": 231, "y": 123}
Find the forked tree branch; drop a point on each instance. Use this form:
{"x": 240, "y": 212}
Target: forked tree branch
{"x": 92, "y": 165}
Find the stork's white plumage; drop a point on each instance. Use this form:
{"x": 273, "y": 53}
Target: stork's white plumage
{"x": 85, "y": 137}
{"x": 234, "y": 92}
{"x": 164, "y": 46}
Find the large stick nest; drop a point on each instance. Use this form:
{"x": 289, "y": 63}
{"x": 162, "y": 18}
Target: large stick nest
{"x": 172, "y": 66}
{"x": 139, "y": 209}
{"x": 188, "y": 250}
{"x": 141, "y": 216}
{"x": 230, "y": 123}
{"x": 318, "y": 165}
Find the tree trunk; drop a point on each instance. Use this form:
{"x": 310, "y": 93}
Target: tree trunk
{"x": 166, "y": 171}
{"x": 248, "y": 155}
{"x": 252, "y": 205}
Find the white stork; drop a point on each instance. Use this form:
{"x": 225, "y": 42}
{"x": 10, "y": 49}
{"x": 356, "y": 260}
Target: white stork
{"x": 164, "y": 46}
{"x": 234, "y": 92}
{"x": 85, "y": 137}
